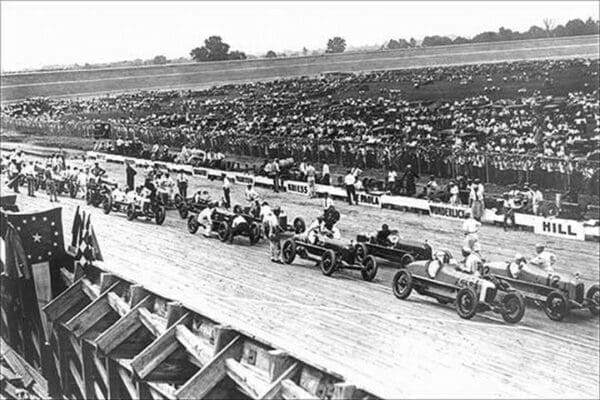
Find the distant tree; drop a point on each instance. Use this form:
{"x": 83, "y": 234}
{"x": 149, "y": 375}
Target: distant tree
{"x": 271, "y": 54}
{"x": 488, "y": 36}
{"x": 160, "y": 60}
{"x": 413, "y": 42}
{"x": 460, "y": 40}
{"x": 535, "y": 32}
{"x": 575, "y": 27}
{"x": 236, "y": 55}
{"x": 336, "y": 45}
{"x": 398, "y": 44}
{"x": 304, "y": 51}
{"x": 217, "y": 49}
{"x": 200, "y": 54}
{"x": 436, "y": 41}
{"x": 549, "y": 26}
{"x": 592, "y": 27}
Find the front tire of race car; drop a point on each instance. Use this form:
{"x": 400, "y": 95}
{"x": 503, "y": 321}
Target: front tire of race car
{"x": 406, "y": 259}
{"x": 183, "y": 211}
{"x": 106, "y": 204}
{"x": 369, "y": 268}
{"x": 361, "y": 252}
{"x": 328, "y": 262}
{"x": 402, "y": 284}
{"x": 288, "y": 251}
{"x": 593, "y": 296}
{"x": 160, "y": 215}
{"x": 514, "y": 307}
{"x": 299, "y": 225}
{"x": 192, "y": 224}
{"x": 131, "y": 214}
{"x": 223, "y": 231}
{"x": 557, "y": 306}
{"x": 466, "y": 303}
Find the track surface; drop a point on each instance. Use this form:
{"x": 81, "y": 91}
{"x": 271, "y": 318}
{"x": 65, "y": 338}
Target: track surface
{"x": 87, "y": 82}
{"x": 391, "y": 348}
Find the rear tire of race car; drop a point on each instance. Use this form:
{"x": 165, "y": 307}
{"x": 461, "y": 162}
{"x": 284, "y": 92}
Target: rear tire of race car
{"x": 593, "y": 296}
{"x": 131, "y": 214}
{"x": 369, "y": 268}
{"x": 223, "y": 231}
{"x": 362, "y": 252}
{"x": 254, "y": 233}
{"x": 466, "y": 303}
{"x": 328, "y": 262}
{"x": 192, "y": 224}
{"x": 161, "y": 214}
{"x": 406, "y": 259}
{"x": 557, "y": 306}
{"x": 514, "y": 307}
{"x": 299, "y": 225}
{"x": 288, "y": 251}
{"x": 402, "y": 284}
{"x": 106, "y": 204}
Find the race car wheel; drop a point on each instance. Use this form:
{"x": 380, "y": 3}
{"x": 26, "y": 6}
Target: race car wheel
{"x": 593, "y": 296}
{"x": 107, "y": 204}
{"x": 299, "y": 225}
{"x": 254, "y": 233}
{"x": 192, "y": 224}
{"x": 223, "y": 231}
{"x": 131, "y": 214}
{"x": 237, "y": 209}
{"x": 406, "y": 259}
{"x": 288, "y": 251}
{"x": 160, "y": 214}
{"x": 466, "y": 303}
{"x": 328, "y": 262}
{"x": 557, "y": 306}
{"x": 369, "y": 268}
{"x": 177, "y": 200}
{"x": 548, "y": 209}
{"x": 183, "y": 211}
{"x": 514, "y": 307}
{"x": 361, "y": 252}
{"x": 402, "y": 284}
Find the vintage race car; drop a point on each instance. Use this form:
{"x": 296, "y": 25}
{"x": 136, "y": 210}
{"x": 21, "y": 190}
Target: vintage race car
{"x": 68, "y": 186}
{"x": 115, "y": 201}
{"x": 558, "y": 292}
{"x": 402, "y": 252}
{"x": 471, "y": 293}
{"x": 97, "y": 190}
{"x": 330, "y": 254}
{"x": 148, "y": 209}
{"x": 222, "y": 225}
{"x": 192, "y": 205}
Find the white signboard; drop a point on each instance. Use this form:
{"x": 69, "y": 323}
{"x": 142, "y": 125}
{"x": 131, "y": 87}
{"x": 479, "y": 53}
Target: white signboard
{"x": 296, "y": 187}
{"x": 557, "y": 227}
{"x": 442, "y": 210}
{"x": 366, "y": 199}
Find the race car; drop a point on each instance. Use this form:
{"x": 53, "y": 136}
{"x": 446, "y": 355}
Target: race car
{"x": 391, "y": 248}
{"x": 143, "y": 207}
{"x": 116, "y": 201}
{"x": 330, "y": 254}
{"x": 222, "y": 224}
{"x": 558, "y": 292}
{"x": 97, "y": 189}
{"x": 471, "y": 293}
{"x": 67, "y": 186}
{"x": 193, "y": 204}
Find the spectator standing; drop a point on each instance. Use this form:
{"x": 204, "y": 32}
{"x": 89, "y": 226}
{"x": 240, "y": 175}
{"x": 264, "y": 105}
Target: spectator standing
{"x": 349, "y": 182}
{"x": 326, "y": 177}
{"x": 409, "y": 180}
{"x": 537, "y": 198}
{"x": 391, "y": 181}
{"x": 182, "y": 184}
{"x": 226, "y": 191}
{"x": 271, "y": 222}
{"x": 476, "y": 199}
{"x": 130, "y": 173}
{"x": 454, "y": 199}
{"x": 29, "y": 172}
{"x": 13, "y": 176}
{"x": 311, "y": 178}
{"x": 276, "y": 175}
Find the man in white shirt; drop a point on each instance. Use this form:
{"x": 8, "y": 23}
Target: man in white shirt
{"x": 471, "y": 231}
{"x": 29, "y": 172}
{"x": 543, "y": 259}
{"x": 391, "y": 180}
{"x": 205, "y": 219}
{"x": 250, "y": 194}
{"x": 350, "y": 181}
{"x": 226, "y": 191}
{"x": 271, "y": 222}
{"x": 310, "y": 179}
{"x": 326, "y": 178}
{"x": 536, "y": 199}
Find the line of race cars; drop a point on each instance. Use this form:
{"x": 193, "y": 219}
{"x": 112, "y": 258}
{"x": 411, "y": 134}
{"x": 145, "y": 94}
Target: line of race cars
{"x": 499, "y": 286}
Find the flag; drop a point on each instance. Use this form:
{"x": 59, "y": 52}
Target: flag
{"x": 90, "y": 250}
{"x": 76, "y": 227}
{"x": 96, "y": 253}
{"x": 41, "y": 234}
{"x": 13, "y": 260}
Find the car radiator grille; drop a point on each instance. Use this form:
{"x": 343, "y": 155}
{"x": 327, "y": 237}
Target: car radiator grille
{"x": 490, "y": 295}
{"x": 579, "y": 289}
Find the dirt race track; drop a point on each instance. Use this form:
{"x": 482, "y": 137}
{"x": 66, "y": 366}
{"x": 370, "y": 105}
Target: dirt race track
{"x": 19, "y": 86}
{"x": 352, "y": 328}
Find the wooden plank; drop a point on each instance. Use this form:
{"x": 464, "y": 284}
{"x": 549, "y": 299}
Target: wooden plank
{"x": 212, "y": 373}
{"x": 16, "y": 363}
{"x": 120, "y": 330}
{"x": 344, "y": 391}
{"x": 77, "y": 378}
{"x": 107, "y": 280}
{"x": 64, "y": 301}
{"x": 89, "y": 316}
{"x": 128, "y": 384}
{"x": 279, "y": 361}
{"x": 291, "y": 391}
{"x": 136, "y": 294}
{"x": 154, "y": 323}
{"x": 174, "y": 311}
{"x": 275, "y": 388}
{"x": 195, "y": 346}
{"x": 247, "y": 378}
{"x": 87, "y": 370}
{"x": 118, "y": 304}
{"x": 100, "y": 369}
{"x": 113, "y": 385}
{"x": 158, "y": 350}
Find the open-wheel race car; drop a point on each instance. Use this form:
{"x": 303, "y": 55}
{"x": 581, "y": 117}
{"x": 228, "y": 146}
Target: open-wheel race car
{"x": 392, "y": 248}
{"x": 191, "y": 205}
{"x": 68, "y": 186}
{"x": 557, "y": 292}
{"x": 97, "y": 189}
{"x": 115, "y": 201}
{"x": 253, "y": 212}
{"x": 144, "y": 207}
{"x": 471, "y": 293}
{"x": 330, "y": 254}
{"x": 222, "y": 224}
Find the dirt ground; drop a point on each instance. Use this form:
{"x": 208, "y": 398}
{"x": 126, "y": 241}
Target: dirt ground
{"x": 352, "y": 328}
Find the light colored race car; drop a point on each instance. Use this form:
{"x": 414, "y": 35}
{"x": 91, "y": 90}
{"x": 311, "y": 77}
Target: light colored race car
{"x": 471, "y": 293}
{"x": 557, "y": 292}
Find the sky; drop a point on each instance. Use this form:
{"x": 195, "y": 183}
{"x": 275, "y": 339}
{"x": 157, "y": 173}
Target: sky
{"x": 36, "y": 34}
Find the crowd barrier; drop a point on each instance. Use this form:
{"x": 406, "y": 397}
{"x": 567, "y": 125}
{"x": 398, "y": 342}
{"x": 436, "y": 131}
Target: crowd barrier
{"x": 556, "y": 227}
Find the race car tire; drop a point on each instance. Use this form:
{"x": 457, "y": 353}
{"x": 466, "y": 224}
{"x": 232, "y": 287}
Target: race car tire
{"x": 177, "y": 200}
{"x": 369, "y": 268}
{"x": 593, "y": 296}
{"x": 192, "y": 224}
{"x": 466, "y": 303}
{"x": 254, "y": 233}
{"x": 361, "y": 252}
{"x": 107, "y": 204}
{"x": 514, "y": 307}
{"x": 328, "y": 262}
{"x": 131, "y": 213}
{"x": 299, "y": 225}
{"x": 237, "y": 209}
{"x": 160, "y": 215}
{"x": 548, "y": 209}
{"x": 406, "y": 259}
{"x": 557, "y": 306}
{"x": 223, "y": 231}
{"x": 288, "y": 251}
{"x": 183, "y": 211}
{"x": 402, "y": 284}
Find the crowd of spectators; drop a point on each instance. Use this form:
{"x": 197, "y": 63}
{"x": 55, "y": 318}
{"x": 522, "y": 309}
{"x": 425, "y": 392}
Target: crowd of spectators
{"x": 365, "y": 121}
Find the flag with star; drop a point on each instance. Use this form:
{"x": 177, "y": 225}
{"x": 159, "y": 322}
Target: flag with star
{"x": 41, "y": 234}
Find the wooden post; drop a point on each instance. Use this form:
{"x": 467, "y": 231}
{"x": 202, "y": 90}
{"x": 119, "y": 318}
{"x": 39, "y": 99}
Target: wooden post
{"x": 87, "y": 363}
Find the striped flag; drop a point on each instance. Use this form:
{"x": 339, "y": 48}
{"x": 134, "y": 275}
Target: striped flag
{"x": 86, "y": 243}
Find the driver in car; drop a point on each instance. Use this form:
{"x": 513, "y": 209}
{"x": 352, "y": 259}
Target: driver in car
{"x": 543, "y": 259}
